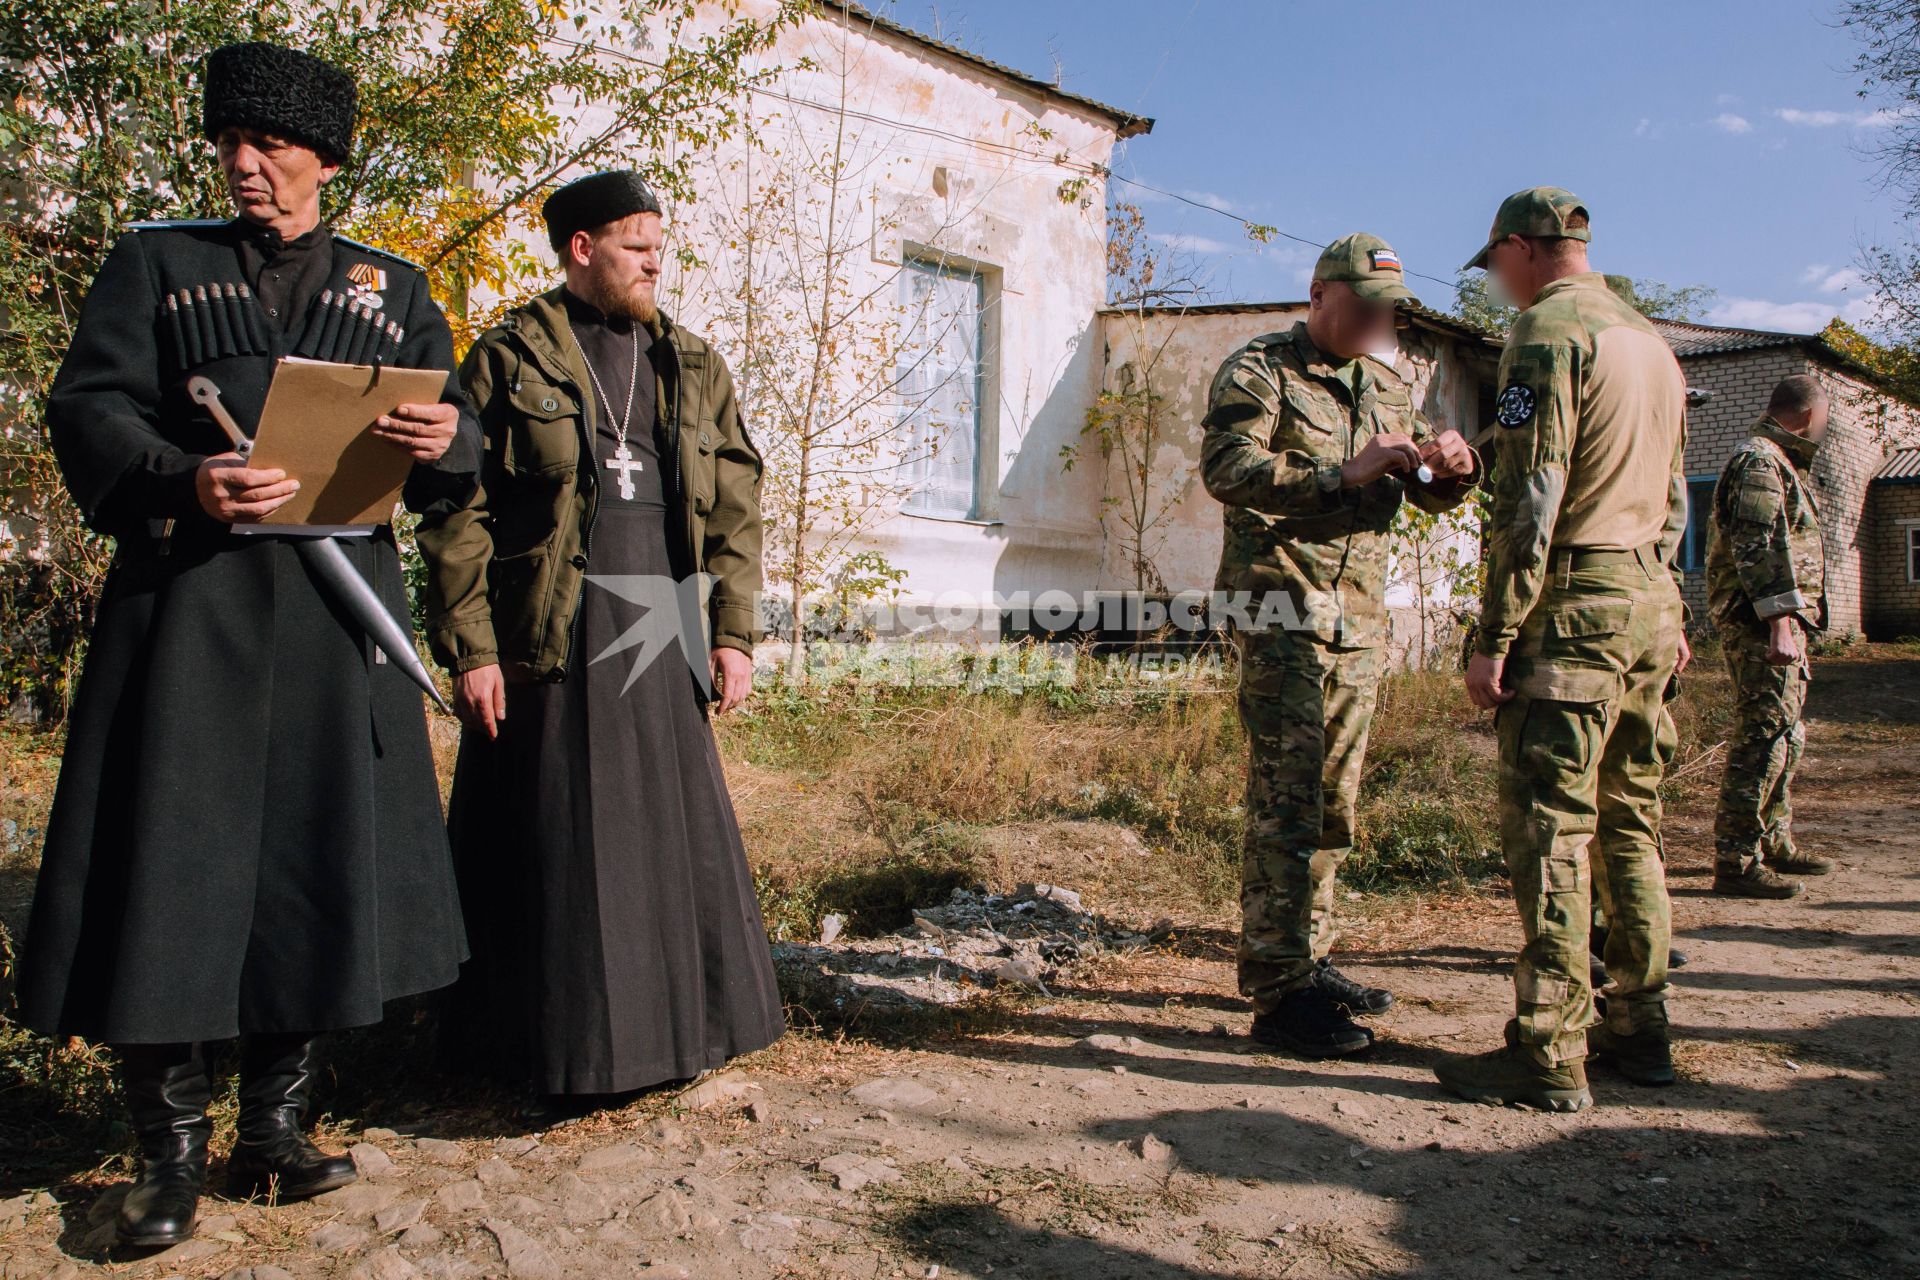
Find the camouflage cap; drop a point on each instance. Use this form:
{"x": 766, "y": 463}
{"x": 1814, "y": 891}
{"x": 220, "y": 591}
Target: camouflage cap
{"x": 1536, "y": 212}
{"x": 1369, "y": 264}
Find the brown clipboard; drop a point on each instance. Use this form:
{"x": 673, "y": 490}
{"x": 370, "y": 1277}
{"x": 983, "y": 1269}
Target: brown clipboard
{"x": 315, "y": 427}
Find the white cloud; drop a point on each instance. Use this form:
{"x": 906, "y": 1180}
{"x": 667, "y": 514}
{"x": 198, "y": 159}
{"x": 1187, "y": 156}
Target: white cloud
{"x": 1646, "y": 128}
{"x": 1834, "y": 280}
{"x": 1181, "y": 243}
{"x": 1728, "y": 122}
{"x": 1726, "y": 99}
{"x": 1829, "y": 119}
{"x": 1790, "y": 317}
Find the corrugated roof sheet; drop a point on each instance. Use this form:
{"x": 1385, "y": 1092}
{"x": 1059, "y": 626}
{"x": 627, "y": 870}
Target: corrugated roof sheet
{"x": 1128, "y": 124}
{"x": 1688, "y": 339}
{"x": 1902, "y": 465}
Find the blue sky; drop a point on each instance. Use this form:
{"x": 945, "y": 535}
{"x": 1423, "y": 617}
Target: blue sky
{"x": 1717, "y": 143}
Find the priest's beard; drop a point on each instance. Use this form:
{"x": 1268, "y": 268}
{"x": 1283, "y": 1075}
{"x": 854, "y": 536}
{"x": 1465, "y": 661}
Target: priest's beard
{"x": 631, "y": 300}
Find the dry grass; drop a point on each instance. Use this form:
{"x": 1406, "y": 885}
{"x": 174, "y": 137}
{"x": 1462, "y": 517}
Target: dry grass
{"x": 868, "y": 802}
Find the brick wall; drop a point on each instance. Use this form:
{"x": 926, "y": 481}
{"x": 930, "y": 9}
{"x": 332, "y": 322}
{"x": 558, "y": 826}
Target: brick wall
{"x": 1740, "y": 383}
{"x": 1893, "y": 603}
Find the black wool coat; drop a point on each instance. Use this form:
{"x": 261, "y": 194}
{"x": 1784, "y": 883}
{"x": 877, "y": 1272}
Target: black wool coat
{"x": 246, "y": 834}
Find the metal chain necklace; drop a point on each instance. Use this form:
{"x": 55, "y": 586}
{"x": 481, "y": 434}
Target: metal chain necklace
{"x": 622, "y": 460}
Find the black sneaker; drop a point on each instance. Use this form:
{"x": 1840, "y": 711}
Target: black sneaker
{"x": 1349, "y": 996}
{"x": 1309, "y": 1023}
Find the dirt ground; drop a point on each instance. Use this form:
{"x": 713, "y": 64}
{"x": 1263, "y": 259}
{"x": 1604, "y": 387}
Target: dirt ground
{"x": 1123, "y": 1126}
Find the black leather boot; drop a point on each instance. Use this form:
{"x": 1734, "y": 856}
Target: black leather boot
{"x": 167, "y": 1094}
{"x": 271, "y": 1155}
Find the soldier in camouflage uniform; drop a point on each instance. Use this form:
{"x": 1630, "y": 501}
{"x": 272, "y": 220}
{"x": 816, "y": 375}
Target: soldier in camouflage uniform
{"x": 1312, "y": 443}
{"x": 1765, "y": 583}
{"x": 1580, "y": 634}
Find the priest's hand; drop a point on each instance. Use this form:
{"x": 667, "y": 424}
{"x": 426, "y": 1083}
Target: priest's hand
{"x": 732, "y": 672}
{"x": 231, "y": 491}
{"x": 423, "y": 430}
{"x": 480, "y": 699}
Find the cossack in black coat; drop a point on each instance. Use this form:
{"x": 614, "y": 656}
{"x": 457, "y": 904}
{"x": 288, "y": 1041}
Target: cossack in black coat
{"x": 247, "y": 834}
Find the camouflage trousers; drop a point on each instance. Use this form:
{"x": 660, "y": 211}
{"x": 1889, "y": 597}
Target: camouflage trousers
{"x": 1306, "y": 707}
{"x": 1584, "y": 745}
{"x": 1754, "y": 820}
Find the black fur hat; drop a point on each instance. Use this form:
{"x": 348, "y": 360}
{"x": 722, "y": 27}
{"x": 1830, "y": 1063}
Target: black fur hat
{"x": 594, "y": 201}
{"x": 281, "y": 91}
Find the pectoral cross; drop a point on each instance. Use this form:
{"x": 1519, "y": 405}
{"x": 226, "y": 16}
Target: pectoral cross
{"x": 626, "y": 464}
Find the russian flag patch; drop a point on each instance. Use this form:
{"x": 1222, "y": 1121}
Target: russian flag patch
{"x": 1385, "y": 260}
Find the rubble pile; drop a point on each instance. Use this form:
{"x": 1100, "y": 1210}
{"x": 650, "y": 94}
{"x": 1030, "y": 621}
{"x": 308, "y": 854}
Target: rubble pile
{"x": 971, "y": 943}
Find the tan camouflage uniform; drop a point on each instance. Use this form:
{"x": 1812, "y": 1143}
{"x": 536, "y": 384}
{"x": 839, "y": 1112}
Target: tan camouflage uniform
{"x": 1281, "y": 419}
{"x": 1764, "y": 561}
{"x": 1588, "y": 502}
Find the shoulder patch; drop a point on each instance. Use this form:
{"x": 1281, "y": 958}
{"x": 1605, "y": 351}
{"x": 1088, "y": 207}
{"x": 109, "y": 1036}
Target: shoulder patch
{"x": 1515, "y": 406}
{"x": 377, "y": 252}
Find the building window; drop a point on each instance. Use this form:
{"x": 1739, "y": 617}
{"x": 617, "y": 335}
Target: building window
{"x": 1913, "y": 553}
{"x": 939, "y": 380}
{"x": 1693, "y": 545}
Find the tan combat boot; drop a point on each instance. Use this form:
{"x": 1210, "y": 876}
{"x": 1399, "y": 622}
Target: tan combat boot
{"x": 1513, "y": 1076}
{"x": 1757, "y": 881}
{"x": 1799, "y": 863}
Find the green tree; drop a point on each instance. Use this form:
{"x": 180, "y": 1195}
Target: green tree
{"x": 1473, "y": 300}
{"x": 1888, "y": 65}
{"x": 1150, "y": 455}
{"x": 469, "y": 112}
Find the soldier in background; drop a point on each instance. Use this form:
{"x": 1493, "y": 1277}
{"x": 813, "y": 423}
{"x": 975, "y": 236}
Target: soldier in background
{"x": 1765, "y": 587}
{"x": 1580, "y": 633}
{"x": 1312, "y": 442}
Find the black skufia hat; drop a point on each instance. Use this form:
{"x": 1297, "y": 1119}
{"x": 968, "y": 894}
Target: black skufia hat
{"x": 594, "y": 201}
{"x": 281, "y": 91}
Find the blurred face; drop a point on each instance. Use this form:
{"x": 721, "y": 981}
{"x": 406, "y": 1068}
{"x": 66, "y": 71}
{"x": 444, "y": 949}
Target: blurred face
{"x": 1344, "y": 325}
{"x": 1512, "y": 266}
{"x": 1815, "y": 428}
{"x": 617, "y": 267}
{"x": 273, "y": 181}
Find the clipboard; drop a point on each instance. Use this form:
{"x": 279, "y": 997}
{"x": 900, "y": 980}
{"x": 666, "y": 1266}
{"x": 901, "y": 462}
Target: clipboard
{"x": 314, "y": 427}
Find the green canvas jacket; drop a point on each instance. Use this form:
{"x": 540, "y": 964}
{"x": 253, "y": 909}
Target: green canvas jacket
{"x": 505, "y": 572}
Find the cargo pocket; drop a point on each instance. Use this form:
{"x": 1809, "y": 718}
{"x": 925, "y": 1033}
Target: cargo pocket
{"x": 543, "y": 438}
{"x": 1583, "y": 635}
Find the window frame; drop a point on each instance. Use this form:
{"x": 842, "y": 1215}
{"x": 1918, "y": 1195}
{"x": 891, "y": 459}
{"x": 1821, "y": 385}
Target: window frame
{"x": 977, "y": 275}
{"x": 1692, "y": 556}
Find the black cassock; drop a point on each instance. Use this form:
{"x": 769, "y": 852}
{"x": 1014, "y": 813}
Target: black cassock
{"x": 617, "y": 942}
{"x": 246, "y": 836}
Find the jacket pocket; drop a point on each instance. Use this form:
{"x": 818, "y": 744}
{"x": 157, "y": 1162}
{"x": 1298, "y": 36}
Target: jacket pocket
{"x": 702, "y": 476}
{"x": 518, "y": 591}
{"x": 543, "y": 433}
{"x": 1313, "y": 413}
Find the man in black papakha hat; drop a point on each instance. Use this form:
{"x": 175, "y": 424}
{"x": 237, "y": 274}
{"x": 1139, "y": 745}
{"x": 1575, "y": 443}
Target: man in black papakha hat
{"x": 247, "y": 837}
{"x": 616, "y": 940}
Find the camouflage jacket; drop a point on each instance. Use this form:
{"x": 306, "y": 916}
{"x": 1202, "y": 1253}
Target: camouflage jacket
{"x": 1281, "y": 418}
{"x": 1764, "y": 555}
{"x": 1588, "y": 447}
